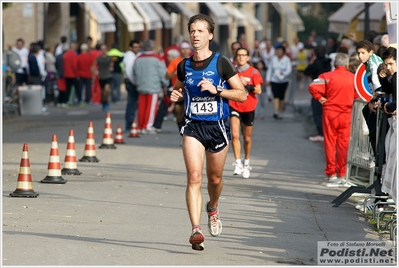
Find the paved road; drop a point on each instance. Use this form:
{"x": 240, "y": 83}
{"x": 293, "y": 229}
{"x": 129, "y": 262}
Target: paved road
{"x": 129, "y": 208}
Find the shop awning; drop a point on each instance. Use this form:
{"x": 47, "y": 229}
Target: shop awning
{"x": 130, "y": 16}
{"x": 340, "y": 20}
{"x": 221, "y": 15}
{"x": 238, "y": 16}
{"x": 150, "y": 16}
{"x": 287, "y": 12}
{"x": 106, "y": 22}
{"x": 167, "y": 21}
{"x": 376, "y": 15}
{"x": 253, "y": 20}
{"x": 184, "y": 10}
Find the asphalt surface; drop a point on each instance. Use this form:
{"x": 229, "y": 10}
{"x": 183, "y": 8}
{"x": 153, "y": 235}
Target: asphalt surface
{"x": 129, "y": 208}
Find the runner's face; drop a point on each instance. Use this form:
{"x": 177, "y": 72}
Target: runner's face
{"x": 242, "y": 57}
{"x": 363, "y": 54}
{"x": 199, "y": 35}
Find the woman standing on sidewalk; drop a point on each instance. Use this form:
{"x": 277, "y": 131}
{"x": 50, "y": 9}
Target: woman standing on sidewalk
{"x": 242, "y": 114}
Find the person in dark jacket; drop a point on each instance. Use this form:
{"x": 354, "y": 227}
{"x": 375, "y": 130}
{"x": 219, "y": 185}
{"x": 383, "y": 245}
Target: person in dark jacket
{"x": 318, "y": 64}
{"x": 34, "y": 71}
{"x": 63, "y": 96}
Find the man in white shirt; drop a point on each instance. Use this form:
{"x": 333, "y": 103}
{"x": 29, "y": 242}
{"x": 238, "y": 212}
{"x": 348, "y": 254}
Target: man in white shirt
{"x": 21, "y": 75}
{"x": 58, "y": 49}
{"x": 132, "y": 95}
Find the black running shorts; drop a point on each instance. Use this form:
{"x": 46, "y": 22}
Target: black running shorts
{"x": 214, "y": 135}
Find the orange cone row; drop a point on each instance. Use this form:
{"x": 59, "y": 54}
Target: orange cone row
{"x": 24, "y": 184}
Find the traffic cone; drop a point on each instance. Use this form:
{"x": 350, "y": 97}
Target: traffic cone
{"x": 24, "y": 184}
{"x": 134, "y": 132}
{"x": 119, "y": 135}
{"x": 70, "y": 166}
{"x": 54, "y": 166}
{"x": 108, "y": 139}
{"x": 90, "y": 148}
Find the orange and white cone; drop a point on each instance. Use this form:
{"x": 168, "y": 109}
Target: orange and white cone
{"x": 70, "y": 166}
{"x": 24, "y": 184}
{"x": 90, "y": 148}
{"x": 134, "y": 131}
{"x": 119, "y": 135}
{"x": 108, "y": 139}
{"x": 54, "y": 166}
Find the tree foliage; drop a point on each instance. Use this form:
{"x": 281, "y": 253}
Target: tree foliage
{"x": 5, "y": 5}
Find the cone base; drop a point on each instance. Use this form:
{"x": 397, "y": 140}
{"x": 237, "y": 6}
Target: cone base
{"x": 134, "y": 136}
{"x": 107, "y": 146}
{"x": 119, "y": 142}
{"x": 50, "y": 179}
{"x": 66, "y": 171}
{"x": 24, "y": 193}
{"x": 89, "y": 159}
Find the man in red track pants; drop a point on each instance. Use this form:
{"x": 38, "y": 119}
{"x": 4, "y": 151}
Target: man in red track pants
{"x": 336, "y": 92}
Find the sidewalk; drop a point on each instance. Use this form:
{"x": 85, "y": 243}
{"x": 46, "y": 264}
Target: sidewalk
{"x": 129, "y": 209}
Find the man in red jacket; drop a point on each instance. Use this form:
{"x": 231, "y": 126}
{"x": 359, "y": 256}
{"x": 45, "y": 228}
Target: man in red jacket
{"x": 70, "y": 65}
{"x": 85, "y": 61}
{"x": 336, "y": 92}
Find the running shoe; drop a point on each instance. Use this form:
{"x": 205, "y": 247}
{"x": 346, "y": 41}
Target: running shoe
{"x": 214, "y": 223}
{"x": 197, "y": 239}
{"x": 238, "y": 168}
{"x": 246, "y": 171}
{"x": 317, "y": 138}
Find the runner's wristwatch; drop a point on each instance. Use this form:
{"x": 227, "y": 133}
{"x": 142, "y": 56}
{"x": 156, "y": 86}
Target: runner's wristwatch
{"x": 219, "y": 90}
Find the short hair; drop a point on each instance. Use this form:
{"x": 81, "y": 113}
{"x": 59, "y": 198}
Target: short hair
{"x": 84, "y": 47}
{"x": 173, "y": 53}
{"x": 134, "y": 41}
{"x": 280, "y": 46}
{"x": 63, "y": 39}
{"x": 320, "y": 51}
{"x": 148, "y": 45}
{"x": 202, "y": 17}
{"x": 377, "y": 40}
{"x": 389, "y": 53}
{"x": 21, "y": 40}
{"x": 365, "y": 44}
{"x": 236, "y": 43}
{"x": 341, "y": 59}
{"x": 343, "y": 50}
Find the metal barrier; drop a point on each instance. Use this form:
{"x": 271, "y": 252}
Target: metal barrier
{"x": 360, "y": 167}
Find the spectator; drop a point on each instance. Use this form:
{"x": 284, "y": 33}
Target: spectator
{"x": 61, "y": 84}
{"x": 116, "y": 81}
{"x": 385, "y": 40}
{"x": 34, "y": 70}
{"x": 21, "y": 75}
{"x": 267, "y": 53}
{"x": 255, "y": 55}
{"x": 96, "y": 88}
{"x": 51, "y": 79}
{"x": 335, "y": 90}
{"x": 260, "y": 109}
{"x": 177, "y": 40}
{"x": 130, "y": 82}
{"x": 58, "y": 49}
{"x": 85, "y": 61}
{"x": 331, "y": 45}
{"x": 301, "y": 66}
{"x": 234, "y": 46}
{"x": 277, "y": 76}
{"x": 317, "y": 65}
{"x": 171, "y": 74}
{"x": 165, "y": 101}
{"x": 149, "y": 70}
{"x": 70, "y": 68}
{"x": 354, "y": 63}
{"x": 104, "y": 73}
{"x": 242, "y": 114}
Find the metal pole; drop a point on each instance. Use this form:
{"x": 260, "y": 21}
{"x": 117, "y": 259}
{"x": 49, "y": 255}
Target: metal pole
{"x": 366, "y": 20}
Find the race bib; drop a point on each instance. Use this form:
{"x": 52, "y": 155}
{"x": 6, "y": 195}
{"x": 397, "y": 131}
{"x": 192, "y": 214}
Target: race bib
{"x": 204, "y": 107}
